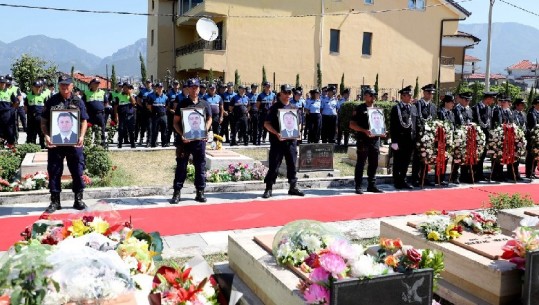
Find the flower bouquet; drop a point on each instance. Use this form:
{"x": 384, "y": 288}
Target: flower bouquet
{"x": 481, "y": 222}
{"x": 526, "y": 239}
{"x": 534, "y": 141}
{"x": 469, "y": 144}
{"x": 440, "y": 228}
{"x": 507, "y": 142}
{"x": 297, "y": 240}
{"x": 460, "y": 142}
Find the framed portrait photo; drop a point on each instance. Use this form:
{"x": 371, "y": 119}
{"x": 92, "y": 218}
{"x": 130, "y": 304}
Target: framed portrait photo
{"x": 194, "y": 124}
{"x": 377, "y": 124}
{"x": 289, "y": 123}
{"x": 65, "y": 127}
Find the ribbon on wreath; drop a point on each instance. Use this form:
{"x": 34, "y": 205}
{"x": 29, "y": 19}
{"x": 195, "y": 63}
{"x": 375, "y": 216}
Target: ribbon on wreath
{"x": 471, "y": 146}
{"x": 508, "y": 153}
{"x": 440, "y": 156}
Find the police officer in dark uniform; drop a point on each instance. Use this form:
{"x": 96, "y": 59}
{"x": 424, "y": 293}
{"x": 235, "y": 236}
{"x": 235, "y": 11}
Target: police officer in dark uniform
{"x": 279, "y": 147}
{"x": 216, "y": 104}
{"x": 253, "y": 114}
{"x": 368, "y": 145}
{"x": 171, "y": 106}
{"x": 228, "y": 119}
{"x": 329, "y": 116}
{"x": 143, "y": 114}
{"x": 502, "y": 115}
{"x": 264, "y": 102}
{"x": 532, "y": 121}
{"x": 239, "y": 107}
{"x": 157, "y": 105}
{"x": 298, "y": 100}
{"x": 340, "y": 132}
{"x": 96, "y": 100}
{"x": 8, "y": 117}
{"x": 196, "y": 148}
{"x": 34, "y": 103}
{"x": 482, "y": 116}
{"x": 445, "y": 113}
{"x": 125, "y": 111}
{"x": 65, "y": 99}
{"x": 427, "y": 111}
{"x": 314, "y": 118}
{"x": 520, "y": 120}
{"x": 21, "y": 114}
{"x": 463, "y": 116}
{"x": 403, "y": 124}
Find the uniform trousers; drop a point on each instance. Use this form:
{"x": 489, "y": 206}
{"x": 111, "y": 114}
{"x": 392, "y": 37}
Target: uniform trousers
{"x": 215, "y": 123}
{"x": 401, "y": 161}
{"x": 34, "y": 129}
{"x": 329, "y": 127}
{"x": 8, "y": 129}
{"x": 288, "y": 150}
{"x": 170, "y": 128}
{"x": 253, "y": 126}
{"x": 183, "y": 150}
{"x": 143, "y": 125}
{"x": 224, "y": 127}
{"x": 126, "y": 128}
{"x": 55, "y": 167}
{"x": 21, "y": 115}
{"x": 314, "y": 120}
{"x": 159, "y": 124}
{"x": 98, "y": 119}
{"x": 240, "y": 127}
{"x": 368, "y": 149}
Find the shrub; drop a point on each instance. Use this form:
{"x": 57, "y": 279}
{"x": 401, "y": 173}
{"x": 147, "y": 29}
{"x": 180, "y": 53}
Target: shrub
{"x": 98, "y": 162}
{"x": 345, "y": 114}
{"x": 24, "y": 149}
{"x": 505, "y": 201}
{"x": 9, "y": 164}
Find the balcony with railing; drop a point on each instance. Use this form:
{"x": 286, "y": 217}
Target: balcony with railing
{"x": 202, "y": 55}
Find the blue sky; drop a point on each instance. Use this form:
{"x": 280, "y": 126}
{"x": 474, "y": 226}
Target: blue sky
{"x": 103, "y": 34}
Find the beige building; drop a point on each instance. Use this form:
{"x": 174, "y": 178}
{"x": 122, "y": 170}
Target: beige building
{"x": 399, "y": 40}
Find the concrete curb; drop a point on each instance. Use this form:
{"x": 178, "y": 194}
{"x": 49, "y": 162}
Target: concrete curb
{"x": 10, "y": 198}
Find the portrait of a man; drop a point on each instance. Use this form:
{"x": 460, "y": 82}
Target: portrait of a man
{"x": 193, "y": 124}
{"x": 376, "y": 121}
{"x": 65, "y": 127}
{"x": 289, "y": 123}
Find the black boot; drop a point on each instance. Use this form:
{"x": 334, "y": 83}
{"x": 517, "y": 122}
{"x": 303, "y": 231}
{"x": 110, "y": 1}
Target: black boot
{"x": 55, "y": 203}
{"x": 176, "y": 197}
{"x": 373, "y": 188}
{"x": 79, "y": 204}
{"x": 359, "y": 191}
{"x": 200, "y": 196}
{"x": 294, "y": 191}
{"x": 268, "y": 192}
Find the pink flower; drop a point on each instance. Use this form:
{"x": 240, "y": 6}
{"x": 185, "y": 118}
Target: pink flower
{"x": 333, "y": 263}
{"x": 343, "y": 248}
{"x": 316, "y": 294}
{"x": 319, "y": 275}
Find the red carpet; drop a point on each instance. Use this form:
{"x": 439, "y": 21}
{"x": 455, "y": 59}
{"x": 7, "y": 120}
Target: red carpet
{"x": 244, "y": 215}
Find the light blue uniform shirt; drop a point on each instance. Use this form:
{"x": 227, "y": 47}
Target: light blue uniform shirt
{"x": 329, "y": 106}
{"x": 313, "y": 106}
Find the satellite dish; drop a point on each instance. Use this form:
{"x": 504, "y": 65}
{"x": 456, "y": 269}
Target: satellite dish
{"x": 207, "y": 29}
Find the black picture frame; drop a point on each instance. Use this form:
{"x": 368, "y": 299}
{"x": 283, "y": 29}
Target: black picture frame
{"x": 58, "y": 127}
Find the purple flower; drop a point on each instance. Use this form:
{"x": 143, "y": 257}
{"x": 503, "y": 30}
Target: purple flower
{"x": 333, "y": 263}
{"x": 319, "y": 275}
{"x": 316, "y": 294}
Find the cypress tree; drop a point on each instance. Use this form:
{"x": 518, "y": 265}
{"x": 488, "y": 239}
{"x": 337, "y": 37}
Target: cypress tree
{"x": 341, "y": 86}
{"x": 142, "y": 68}
{"x": 113, "y": 78}
{"x": 318, "y": 76}
{"x": 297, "y": 81}
{"x": 416, "y": 88}
{"x": 264, "y": 78}
{"x": 376, "y": 83}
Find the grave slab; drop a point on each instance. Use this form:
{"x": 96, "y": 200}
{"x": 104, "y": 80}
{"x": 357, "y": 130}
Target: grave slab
{"x": 37, "y": 162}
{"x": 509, "y": 219}
{"x": 222, "y": 158}
{"x": 493, "y": 281}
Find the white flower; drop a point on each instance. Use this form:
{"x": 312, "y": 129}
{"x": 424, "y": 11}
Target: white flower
{"x": 312, "y": 242}
{"x": 363, "y": 266}
{"x": 529, "y": 221}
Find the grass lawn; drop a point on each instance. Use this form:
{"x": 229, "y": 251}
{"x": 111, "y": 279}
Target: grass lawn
{"x": 156, "y": 168}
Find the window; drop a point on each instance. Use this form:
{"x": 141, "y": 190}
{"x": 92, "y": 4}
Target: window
{"x": 416, "y": 4}
{"x": 367, "y": 43}
{"x": 151, "y": 38}
{"x": 334, "y": 41}
{"x": 153, "y": 5}
{"x": 369, "y": 1}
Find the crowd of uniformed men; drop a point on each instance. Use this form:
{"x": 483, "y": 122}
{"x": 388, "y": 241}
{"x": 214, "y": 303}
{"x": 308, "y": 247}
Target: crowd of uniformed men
{"x": 247, "y": 116}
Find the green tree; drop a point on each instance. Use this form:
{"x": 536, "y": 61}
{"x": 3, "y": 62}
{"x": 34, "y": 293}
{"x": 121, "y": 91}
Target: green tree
{"x": 477, "y": 88}
{"x": 26, "y": 69}
{"x": 436, "y": 93}
{"x": 237, "y": 79}
{"x": 531, "y": 95}
{"x": 416, "y": 88}
{"x": 113, "y": 78}
{"x": 264, "y": 78}
{"x": 509, "y": 89}
{"x": 297, "y": 81}
{"x": 211, "y": 77}
{"x": 318, "y": 76}
{"x": 341, "y": 85}
{"x": 376, "y": 83}
{"x": 142, "y": 67}
{"x": 72, "y": 71}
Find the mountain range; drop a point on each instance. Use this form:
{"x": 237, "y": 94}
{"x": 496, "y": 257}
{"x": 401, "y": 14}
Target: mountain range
{"x": 511, "y": 43}
{"x": 65, "y": 55}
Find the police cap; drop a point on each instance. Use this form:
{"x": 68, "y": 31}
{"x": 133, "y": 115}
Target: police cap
{"x": 332, "y": 88}
{"x": 128, "y": 85}
{"x": 37, "y": 83}
{"x": 203, "y": 85}
{"x": 504, "y": 98}
{"x": 369, "y": 91}
{"x": 448, "y": 98}
{"x": 324, "y": 88}
{"x": 315, "y": 91}
{"x": 535, "y": 100}
{"x": 95, "y": 80}
{"x": 119, "y": 84}
{"x": 3, "y": 80}
{"x": 211, "y": 86}
{"x": 346, "y": 91}
{"x": 429, "y": 88}
{"x": 406, "y": 90}
{"x": 466, "y": 95}
{"x": 175, "y": 82}
{"x": 242, "y": 87}
{"x": 64, "y": 80}
{"x": 193, "y": 83}
{"x": 230, "y": 84}
{"x": 148, "y": 80}
{"x": 286, "y": 88}
{"x": 519, "y": 101}
{"x": 490, "y": 94}
{"x": 254, "y": 86}
{"x": 265, "y": 84}
{"x": 159, "y": 85}
{"x": 9, "y": 77}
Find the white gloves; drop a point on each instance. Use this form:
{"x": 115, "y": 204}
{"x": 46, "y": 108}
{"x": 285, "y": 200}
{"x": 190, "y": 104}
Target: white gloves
{"x": 395, "y": 146}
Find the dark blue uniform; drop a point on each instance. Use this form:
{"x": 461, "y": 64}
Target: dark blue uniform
{"x": 125, "y": 111}
{"x": 482, "y": 115}
{"x": 403, "y": 132}
{"x": 266, "y": 100}
{"x": 240, "y": 104}
{"x": 196, "y": 148}
{"x": 463, "y": 116}
{"x": 215, "y": 102}
{"x": 73, "y": 155}
{"x": 367, "y": 148}
{"x": 159, "y": 117}
{"x": 228, "y": 119}
{"x": 95, "y": 104}
{"x": 171, "y": 105}
{"x": 254, "y": 118}
{"x": 143, "y": 122}
{"x": 8, "y": 129}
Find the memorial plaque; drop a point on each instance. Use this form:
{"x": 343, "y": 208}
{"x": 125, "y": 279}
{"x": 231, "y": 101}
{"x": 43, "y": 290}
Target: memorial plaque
{"x": 315, "y": 157}
{"x": 398, "y": 288}
{"x": 530, "y": 293}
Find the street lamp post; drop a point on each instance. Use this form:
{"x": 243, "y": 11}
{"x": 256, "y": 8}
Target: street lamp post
{"x": 489, "y": 42}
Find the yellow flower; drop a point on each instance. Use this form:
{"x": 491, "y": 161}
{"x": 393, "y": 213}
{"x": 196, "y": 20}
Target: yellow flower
{"x": 78, "y": 228}
{"x": 99, "y": 225}
{"x": 433, "y": 235}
